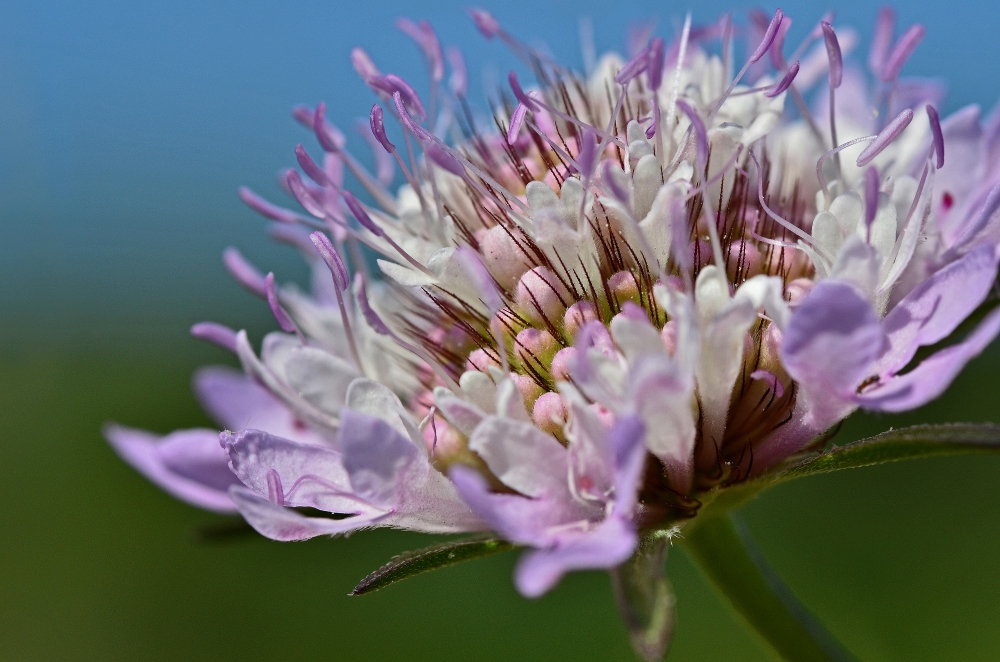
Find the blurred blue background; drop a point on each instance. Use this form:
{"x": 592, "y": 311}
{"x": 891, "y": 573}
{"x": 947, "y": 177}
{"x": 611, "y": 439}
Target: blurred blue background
{"x": 125, "y": 130}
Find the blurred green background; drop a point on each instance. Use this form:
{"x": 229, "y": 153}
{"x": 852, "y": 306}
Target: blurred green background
{"x": 124, "y": 131}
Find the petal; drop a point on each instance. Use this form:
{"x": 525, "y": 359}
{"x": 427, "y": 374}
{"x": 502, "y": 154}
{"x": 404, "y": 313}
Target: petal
{"x": 317, "y": 376}
{"x": 606, "y": 546}
{"x": 278, "y": 523}
{"x": 663, "y": 397}
{"x": 520, "y": 520}
{"x": 464, "y": 415}
{"x": 829, "y": 347}
{"x": 934, "y": 374}
{"x": 236, "y": 402}
{"x": 522, "y": 456}
{"x": 291, "y": 473}
{"x": 375, "y": 456}
{"x": 935, "y": 307}
{"x": 187, "y": 464}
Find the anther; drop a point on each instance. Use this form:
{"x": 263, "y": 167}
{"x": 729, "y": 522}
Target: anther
{"x": 785, "y": 82}
{"x": 519, "y": 93}
{"x": 902, "y": 51}
{"x": 377, "y": 122}
{"x": 243, "y": 272}
{"x": 265, "y": 208}
{"x": 309, "y": 166}
{"x": 217, "y": 334}
{"x": 284, "y": 321}
{"x": 938, "y": 137}
{"x": 885, "y": 136}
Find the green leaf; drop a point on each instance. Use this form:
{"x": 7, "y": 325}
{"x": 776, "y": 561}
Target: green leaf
{"x": 437, "y": 556}
{"x": 903, "y": 444}
{"x": 645, "y": 599}
{"x": 726, "y": 555}
{"x": 892, "y": 446}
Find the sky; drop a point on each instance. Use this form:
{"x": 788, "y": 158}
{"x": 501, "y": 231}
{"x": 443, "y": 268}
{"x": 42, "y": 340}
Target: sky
{"x": 126, "y": 129}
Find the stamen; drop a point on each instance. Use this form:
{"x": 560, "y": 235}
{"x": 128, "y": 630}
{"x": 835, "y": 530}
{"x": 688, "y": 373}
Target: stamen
{"x": 309, "y": 166}
{"x": 871, "y": 199}
{"x": 802, "y": 234}
{"x": 408, "y": 94}
{"x": 341, "y": 280}
{"x": 366, "y": 221}
{"x": 217, "y": 334}
{"x": 284, "y": 321}
{"x": 833, "y": 54}
{"x": 836, "y": 150}
{"x": 265, "y": 208}
{"x": 459, "y": 80}
{"x": 902, "y": 51}
{"x": 404, "y": 116}
{"x": 765, "y": 44}
{"x": 303, "y": 196}
{"x": 776, "y": 52}
{"x": 655, "y": 71}
{"x": 701, "y": 135}
{"x": 443, "y": 159}
{"x": 886, "y": 136}
{"x": 633, "y": 67}
{"x": 377, "y": 122}
{"x": 363, "y": 64}
{"x": 243, "y": 272}
{"x": 676, "y": 88}
{"x": 380, "y": 327}
{"x": 785, "y": 82}
{"x": 330, "y": 139}
{"x": 885, "y": 26}
{"x": 423, "y": 34}
{"x": 519, "y": 93}
{"x": 516, "y": 119}
{"x": 938, "y": 137}
{"x": 487, "y": 25}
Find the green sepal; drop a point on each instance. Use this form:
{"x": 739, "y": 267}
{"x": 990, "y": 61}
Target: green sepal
{"x": 437, "y": 556}
{"x": 892, "y": 446}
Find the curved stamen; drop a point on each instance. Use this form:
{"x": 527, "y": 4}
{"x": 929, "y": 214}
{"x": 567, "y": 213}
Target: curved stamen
{"x": 836, "y": 150}
{"x": 885, "y": 136}
{"x": 936, "y": 135}
{"x": 341, "y": 281}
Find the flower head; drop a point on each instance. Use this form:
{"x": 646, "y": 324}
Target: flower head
{"x": 635, "y": 290}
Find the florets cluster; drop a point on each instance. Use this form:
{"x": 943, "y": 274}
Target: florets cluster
{"x": 638, "y": 287}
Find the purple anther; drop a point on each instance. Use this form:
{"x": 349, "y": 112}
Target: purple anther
{"x": 785, "y": 82}
{"x": 886, "y": 136}
{"x": 701, "y": 134}
{"x": 330, "y": 139}
{"x": 587, "y": 156}
{"x": 520, "y": 94}
{"x": 377, "y": 121}
{"x": 423, "y": 34}
{"x": 609, "y": 179}
{"x": 327, "y": 251}
{"x": 459, "y": 80}
{"x": 295, "y": 236}
{"x": 655, "y": 70}
{"x": 404, "y": 117}
{"x": 304, "y": 115}
{"x": 871, "y": 196}
{"x": 772, "y": 30}
{"x": 284, "y": 321}
{"x": 265, "y": 208}
{"x": 833, "y": 54}
{"x": 410, "y": 96}
{"x": 633, "y": 67}
{"x": 309, "y": 166}
{"x": 776, "y": 52}
{"x": 216, "y": 334}
{"x": 932, "y": 115}
{"x": 902, "y": 51}
{"x": 472, "y": 264}
{"x": 381, "y": 84}
{"x": 359, "y": 213}
{"x": 443, "y": 159}
{"x": 885, "y": 28}
{"x": 487, "y": 25}
{"x": 303, "y": 195}
{"x": 363, "y": 64}
{"x": 516, "y": 120}
{"x": 243, "y": 272}
{"x": 361, "y": 294}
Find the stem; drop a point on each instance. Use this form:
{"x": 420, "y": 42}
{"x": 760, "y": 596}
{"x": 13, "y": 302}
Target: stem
{"x": 724, "y": 552}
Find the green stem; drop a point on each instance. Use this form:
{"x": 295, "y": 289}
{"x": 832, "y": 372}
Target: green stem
{"x": 726, "y": 555}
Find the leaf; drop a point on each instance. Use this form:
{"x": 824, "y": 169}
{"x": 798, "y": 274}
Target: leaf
{"x": 892, "y": 446}
{"x": 903, "y": 444}
{"x": 645, "y": 599}
{"x": 437, "y": 556}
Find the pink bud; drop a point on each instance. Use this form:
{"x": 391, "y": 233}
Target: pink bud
{"x": 550, "y": 413}
{"x": 504, "y": 259}
{"x": 529, "y": 388}
{"x": 541, "y": 296}
{"x": 480, "y": 360}
{"x": 577, "y": 315}
{"x": 624, "y": 287}
{"x": 669, "y": 336}
{"x": 535, "y": 347}
{"x": 562, "y": 363}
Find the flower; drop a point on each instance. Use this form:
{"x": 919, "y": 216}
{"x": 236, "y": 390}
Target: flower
{"x": 651, "y": 284}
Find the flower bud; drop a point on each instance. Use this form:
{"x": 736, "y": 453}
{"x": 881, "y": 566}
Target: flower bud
{"x": 550, "y": 413}
{"x": 577, "y": 315}
{"x": 541, "y": 296}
